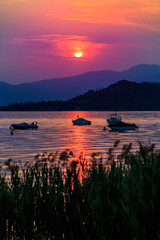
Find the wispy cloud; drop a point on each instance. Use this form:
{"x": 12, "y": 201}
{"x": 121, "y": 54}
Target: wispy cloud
{"x": 13, "y": 1}
{"x": 145, "y": 13}
{"x": 56, "y": 45}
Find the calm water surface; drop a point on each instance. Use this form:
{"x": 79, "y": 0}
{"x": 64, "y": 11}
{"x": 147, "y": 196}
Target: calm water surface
{"x": 56, "y": 133}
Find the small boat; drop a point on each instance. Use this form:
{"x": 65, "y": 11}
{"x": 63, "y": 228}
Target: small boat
{"x": 115, "y": 121}
{"x": 121, "y": 126}
{"x": 81, "y": 121}
{"x": 114, "y": 118}
{"x": 24, "y": 125}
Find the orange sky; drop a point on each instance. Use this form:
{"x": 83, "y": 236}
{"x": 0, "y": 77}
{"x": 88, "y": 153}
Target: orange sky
{"x": 141, "y": 12}
{"x": 40, "y": 37}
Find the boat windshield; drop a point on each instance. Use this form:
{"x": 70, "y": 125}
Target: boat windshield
{"x": 34, "y": 123}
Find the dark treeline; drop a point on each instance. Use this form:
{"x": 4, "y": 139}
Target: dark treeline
{"x": 37, "y": 106}
{"x": 45, "y": 201}
{"x": 131, "y": 96}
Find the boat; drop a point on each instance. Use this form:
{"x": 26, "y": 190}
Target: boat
{"x": 24, "y": 125}
{"x": 81, "y": 121}
{"x": 115, "y": 121}
{"x": 121, "y": 126}
{"x": 114, "y": 118}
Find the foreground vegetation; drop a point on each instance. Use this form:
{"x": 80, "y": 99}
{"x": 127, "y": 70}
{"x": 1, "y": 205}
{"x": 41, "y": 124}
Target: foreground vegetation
{"x": 59, "y": 197}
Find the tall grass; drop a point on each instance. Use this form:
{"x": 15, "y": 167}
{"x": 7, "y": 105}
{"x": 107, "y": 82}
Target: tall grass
{"x": 65, "y": 199}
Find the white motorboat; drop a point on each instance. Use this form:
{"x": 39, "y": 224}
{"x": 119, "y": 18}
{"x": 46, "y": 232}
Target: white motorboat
{"x": 81, "y": 121}
{"x": 24, "y": 125}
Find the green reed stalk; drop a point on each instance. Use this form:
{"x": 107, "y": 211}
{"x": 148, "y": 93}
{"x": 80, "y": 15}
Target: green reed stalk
{"x": 58, "y": 198}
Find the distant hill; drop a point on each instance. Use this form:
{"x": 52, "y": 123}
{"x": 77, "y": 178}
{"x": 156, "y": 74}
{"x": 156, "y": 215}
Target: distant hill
{"x": 130, "y": 96}
{"x": 69, "y": 87}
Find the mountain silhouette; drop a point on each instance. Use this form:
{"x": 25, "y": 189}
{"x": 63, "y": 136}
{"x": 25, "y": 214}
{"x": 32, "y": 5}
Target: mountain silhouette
{"x": 69, "y": 87}
{"x": 130, "y": 96}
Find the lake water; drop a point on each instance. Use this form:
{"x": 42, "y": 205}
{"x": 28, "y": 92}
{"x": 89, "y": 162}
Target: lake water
{"x": 56, "y": 133}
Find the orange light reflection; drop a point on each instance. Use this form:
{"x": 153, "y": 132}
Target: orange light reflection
{"x": 80, "y": 145}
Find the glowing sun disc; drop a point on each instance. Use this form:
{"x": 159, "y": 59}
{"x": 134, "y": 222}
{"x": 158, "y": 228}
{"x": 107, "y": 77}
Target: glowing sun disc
{"x": 78, "y": 54}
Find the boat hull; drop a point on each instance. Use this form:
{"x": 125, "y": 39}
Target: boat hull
{"x": 23, "y": 126}
{"x": 81, "y": 122}
{"x": 122, "y": 126}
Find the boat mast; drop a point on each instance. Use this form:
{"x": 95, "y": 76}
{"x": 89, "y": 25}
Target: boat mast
{"x": 115, "y": 99}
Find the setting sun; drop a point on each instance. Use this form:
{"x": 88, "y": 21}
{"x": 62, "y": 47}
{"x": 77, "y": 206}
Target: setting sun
{"x": 78, "y": 54}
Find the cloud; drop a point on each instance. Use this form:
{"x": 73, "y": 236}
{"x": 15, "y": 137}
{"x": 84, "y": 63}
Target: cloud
{"x": 55, "y": 46}
{"x": 145, "y": 13}
{"x": 13, "y": 1}
{"x": 110, "y": 33}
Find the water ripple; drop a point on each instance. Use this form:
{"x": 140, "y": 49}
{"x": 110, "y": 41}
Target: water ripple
{"x": 56, "y": 133}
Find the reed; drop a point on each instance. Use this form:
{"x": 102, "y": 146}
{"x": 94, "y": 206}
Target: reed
{"x": 59, "y": 197}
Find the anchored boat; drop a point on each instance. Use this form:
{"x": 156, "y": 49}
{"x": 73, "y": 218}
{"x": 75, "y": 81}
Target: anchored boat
{"x": 114, "y": 118}
{"x": 115, "y": 121}
{"x": 24, "y": 125}
{"x": 81, "y": 121}
{"x": 121, "y": 126}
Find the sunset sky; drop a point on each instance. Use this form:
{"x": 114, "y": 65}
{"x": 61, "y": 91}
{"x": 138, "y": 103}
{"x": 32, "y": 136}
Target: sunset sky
{"x": 46, "y": 39}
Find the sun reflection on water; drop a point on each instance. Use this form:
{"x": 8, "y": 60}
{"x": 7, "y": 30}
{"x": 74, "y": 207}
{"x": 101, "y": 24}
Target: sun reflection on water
{"x": 57, "y": 133}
